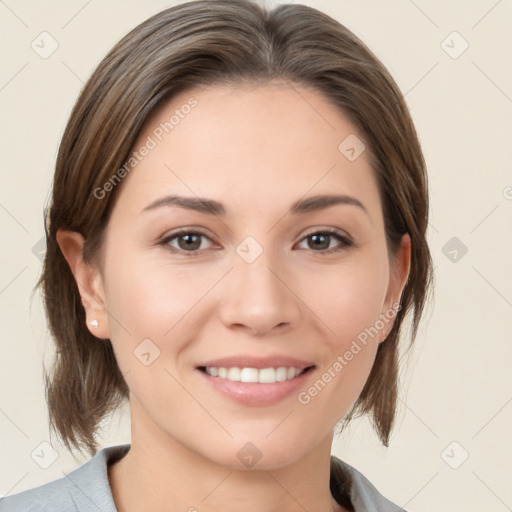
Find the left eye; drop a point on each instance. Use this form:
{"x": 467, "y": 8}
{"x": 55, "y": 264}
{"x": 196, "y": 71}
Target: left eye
{"x": 321, "y": 241}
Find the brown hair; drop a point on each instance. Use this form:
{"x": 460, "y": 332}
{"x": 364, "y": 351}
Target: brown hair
{"x": 203, "y": 43}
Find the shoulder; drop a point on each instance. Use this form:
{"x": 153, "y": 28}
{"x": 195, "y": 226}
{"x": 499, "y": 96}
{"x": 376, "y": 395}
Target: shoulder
{"x": 84, "y": 488}
{"x": 363, "y": 494}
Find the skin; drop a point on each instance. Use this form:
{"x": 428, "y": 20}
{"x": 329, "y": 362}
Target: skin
{"x": 257, "y": 150}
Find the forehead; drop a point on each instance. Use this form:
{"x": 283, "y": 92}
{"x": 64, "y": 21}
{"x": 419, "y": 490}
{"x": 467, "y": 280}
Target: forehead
{"x": 256, "y": 145}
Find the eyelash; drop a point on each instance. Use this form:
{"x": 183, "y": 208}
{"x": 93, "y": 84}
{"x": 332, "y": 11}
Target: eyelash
{"x": 345, "y": 241}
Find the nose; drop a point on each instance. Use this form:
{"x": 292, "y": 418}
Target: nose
{"x": 258, "y": 298}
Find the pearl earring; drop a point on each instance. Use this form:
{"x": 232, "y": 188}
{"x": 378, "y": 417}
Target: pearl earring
{"x": 94, "y": 323}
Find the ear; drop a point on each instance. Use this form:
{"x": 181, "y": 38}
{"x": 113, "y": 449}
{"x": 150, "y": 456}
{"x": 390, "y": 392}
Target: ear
{"x": 89, "y": 281}
{"x": 399, "y": 274}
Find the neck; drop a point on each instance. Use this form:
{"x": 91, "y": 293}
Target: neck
{"x": 159, "y": 473}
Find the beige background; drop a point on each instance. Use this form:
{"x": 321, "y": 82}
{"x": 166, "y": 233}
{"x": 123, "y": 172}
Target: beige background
{"x": 457, "y": 387}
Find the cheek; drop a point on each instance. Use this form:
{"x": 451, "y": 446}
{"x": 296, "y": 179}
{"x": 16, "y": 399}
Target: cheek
{"x": 150, "y": 298}
{"x": 348, "y": 303}
{"x": 148, "y": 301}
{"x": 350, "y": 312}
{"x": 154, "y": 312}
{"x": 168, "y": 304}
{"x": 347, "y": 298}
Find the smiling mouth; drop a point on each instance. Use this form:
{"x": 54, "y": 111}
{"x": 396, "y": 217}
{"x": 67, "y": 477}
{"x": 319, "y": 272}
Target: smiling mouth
{"x": 269, "y": 375}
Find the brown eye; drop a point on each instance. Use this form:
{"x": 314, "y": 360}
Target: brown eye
{"x": 186, "y": 241}
{"x": 325, "y": 241}
{"x": 320, "y": 241}
{"x": 189, "y": 242}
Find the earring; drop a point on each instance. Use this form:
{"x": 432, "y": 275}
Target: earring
{"x": 94, "y": 323}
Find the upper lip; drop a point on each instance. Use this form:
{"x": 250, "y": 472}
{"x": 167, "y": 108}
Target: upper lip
{"x": 246, "y": 361}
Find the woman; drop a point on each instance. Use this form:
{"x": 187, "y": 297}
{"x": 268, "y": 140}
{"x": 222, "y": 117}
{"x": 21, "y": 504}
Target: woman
{"x": 236, "y": 233}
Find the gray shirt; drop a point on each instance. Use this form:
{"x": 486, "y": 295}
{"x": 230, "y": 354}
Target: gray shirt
{"x": 87, "y": 489}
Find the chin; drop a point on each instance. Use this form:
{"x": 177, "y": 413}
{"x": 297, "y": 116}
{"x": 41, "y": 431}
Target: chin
{"x": 260, "y": 455}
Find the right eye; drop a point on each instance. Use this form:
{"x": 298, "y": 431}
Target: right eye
{"x": 185, "y": 242}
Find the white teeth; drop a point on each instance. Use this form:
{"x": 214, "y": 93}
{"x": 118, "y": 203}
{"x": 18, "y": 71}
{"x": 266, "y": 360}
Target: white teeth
{"x": 281, "y": 374}
{"x": 234, "y": 374}
{"x": 249, "y": 375}
{"x": 267, "y": 375}
{"x": 263, "y": 375}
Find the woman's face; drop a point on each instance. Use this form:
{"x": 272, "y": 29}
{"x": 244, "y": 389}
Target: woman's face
{"x": 268, "y": 277}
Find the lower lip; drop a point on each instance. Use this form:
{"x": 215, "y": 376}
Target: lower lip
{"x": 255, "y": 394}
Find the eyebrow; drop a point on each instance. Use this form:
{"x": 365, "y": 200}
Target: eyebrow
{"x": 212, "y": 207}
{"x": 198, "y": 204}
{"x": 324, "y": 201}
